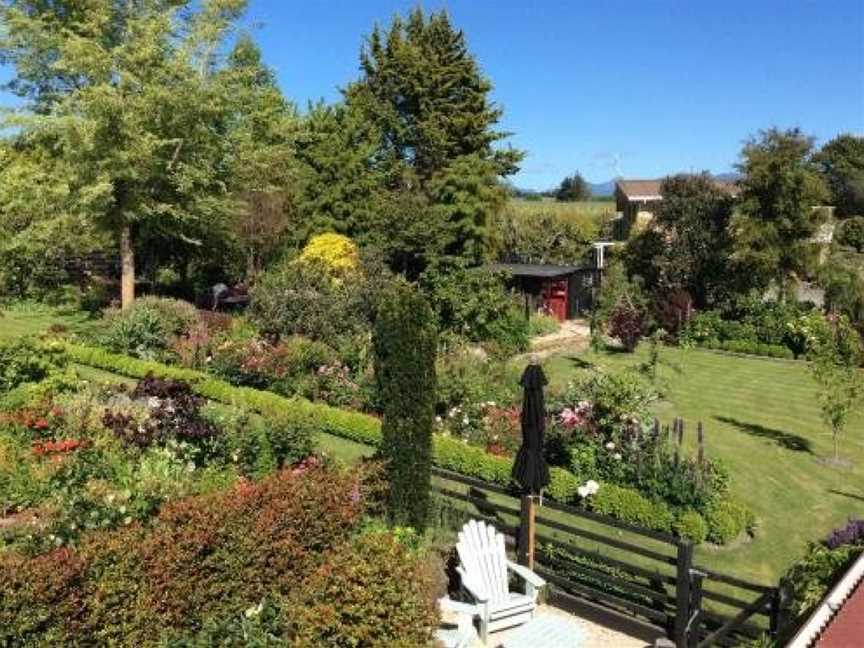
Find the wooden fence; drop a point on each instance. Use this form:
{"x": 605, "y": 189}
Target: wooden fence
{"x": 634, "y": 571}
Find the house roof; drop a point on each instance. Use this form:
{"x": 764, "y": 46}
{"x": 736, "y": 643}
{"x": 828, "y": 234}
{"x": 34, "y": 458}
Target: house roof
{"x": 649, "y": 190}
{"x": 838, "y": 622}
{"x": 536, "y": 270}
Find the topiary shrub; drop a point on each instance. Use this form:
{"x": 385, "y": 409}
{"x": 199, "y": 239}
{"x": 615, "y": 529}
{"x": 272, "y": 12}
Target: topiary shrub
{"x": 628, "y": 505}
{"x": 691, "y": 525}
{"x": 405, "y": 344}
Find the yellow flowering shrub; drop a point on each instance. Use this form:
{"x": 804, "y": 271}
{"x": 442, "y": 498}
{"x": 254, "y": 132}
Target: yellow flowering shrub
{"x": 336, "y": 252}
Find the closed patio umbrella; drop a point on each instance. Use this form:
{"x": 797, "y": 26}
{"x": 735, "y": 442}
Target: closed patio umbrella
{"x": 530, "y": 469}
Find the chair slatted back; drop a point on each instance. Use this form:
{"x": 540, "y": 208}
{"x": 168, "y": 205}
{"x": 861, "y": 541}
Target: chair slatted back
{"x": 484, "y": 558}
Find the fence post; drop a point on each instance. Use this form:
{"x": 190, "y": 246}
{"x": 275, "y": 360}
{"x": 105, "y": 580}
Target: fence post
{"x": 526, "y": 532}
{"x": 682, "y": 592}
{"x": 695, "y": 617}
{"x": 775, "y": 620}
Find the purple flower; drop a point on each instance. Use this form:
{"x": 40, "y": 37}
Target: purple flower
{"x": 852, "y": 533}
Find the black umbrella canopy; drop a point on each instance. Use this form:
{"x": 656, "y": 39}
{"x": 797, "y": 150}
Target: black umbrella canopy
{"x": 530, "y": 469}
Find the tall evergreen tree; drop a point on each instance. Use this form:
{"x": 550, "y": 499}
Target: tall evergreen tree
{"x": 128, "y": 96}
{"x": 573, "y": 188}
{"x": 779, "y": 190}
{"x": 427, "y": 99}
{"x": 405, "y": 342}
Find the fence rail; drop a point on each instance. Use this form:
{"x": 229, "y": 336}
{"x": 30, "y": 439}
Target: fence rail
{"x": 639, "y": 572}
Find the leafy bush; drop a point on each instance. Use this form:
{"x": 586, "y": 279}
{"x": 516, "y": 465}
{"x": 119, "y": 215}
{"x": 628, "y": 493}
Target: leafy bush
{"x": 752, "y": 348}
{"x": 542, "y": 324}
{"x": 370, "y": 592}
{"x": 302, "y": 299}
{"x": 626, "y": 322}
{"x": 173, "y": 414}
{"x": 628, "y": 505}
{"x": 807, "y": 582}
{"x": 692, "y": 526}
{"x": 475, "y": 304}
{"x": 852, "y": 233}
{"x": 335, "y": 252}
{"x": 727, "y": 520}
{"x": 25, "y": 360}
{"x": 204, "y": 557}
{"x": 406, "y": 343}
{"x": 149, "y": 326}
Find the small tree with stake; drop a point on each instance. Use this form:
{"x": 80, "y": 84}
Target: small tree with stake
{"x": 836, "y": 370}
{"x": 406, "y": 342}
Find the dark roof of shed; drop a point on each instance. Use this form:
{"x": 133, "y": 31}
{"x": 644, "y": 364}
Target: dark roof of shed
{"x": 536, "y": 270}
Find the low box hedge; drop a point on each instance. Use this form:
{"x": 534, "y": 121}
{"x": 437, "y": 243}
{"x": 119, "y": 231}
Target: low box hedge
{"x": 453, "y": 454}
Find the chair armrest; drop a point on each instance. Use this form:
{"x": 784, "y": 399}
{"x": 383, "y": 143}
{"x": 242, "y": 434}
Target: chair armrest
{"x": 526, "y": 574}
{"x": 474, "y": 589}
{"x": 449, "y": 605}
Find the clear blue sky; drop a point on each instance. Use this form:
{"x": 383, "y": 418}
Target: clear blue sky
{"x": 640, "y": 88}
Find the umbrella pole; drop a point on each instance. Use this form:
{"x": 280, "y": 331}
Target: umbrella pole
{"x": 527, "y": 530}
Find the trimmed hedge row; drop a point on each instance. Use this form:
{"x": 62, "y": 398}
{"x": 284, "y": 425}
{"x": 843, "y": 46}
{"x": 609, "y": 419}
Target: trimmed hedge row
{"x": 623, "y": 503}
{"x": 748, "y": 347}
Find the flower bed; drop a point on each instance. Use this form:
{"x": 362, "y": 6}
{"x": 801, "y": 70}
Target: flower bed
{"x": 449, "y": 452}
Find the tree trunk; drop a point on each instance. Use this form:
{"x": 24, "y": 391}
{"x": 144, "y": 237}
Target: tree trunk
{"x": 127, "y": 267}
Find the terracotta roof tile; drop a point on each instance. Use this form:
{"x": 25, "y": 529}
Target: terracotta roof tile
{"x": 846, "y": 630}
{"x": 650, "y": 189}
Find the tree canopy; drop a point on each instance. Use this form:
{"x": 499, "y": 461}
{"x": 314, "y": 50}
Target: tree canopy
{"x": 573, "y": 188}
{"x": 128, "y": 99}
{"x": 780, "y": 188}
{"x": 842, "y": 163}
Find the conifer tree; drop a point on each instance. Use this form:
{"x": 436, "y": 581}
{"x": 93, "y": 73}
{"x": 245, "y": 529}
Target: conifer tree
{"x": 425, "y": 96}
{"x": 405, "y": 343}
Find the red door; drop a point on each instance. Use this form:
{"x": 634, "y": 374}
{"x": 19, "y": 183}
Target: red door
{"x": 555, "y": 299}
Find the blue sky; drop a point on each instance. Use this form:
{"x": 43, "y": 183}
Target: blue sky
{"x": 640, "y": 88}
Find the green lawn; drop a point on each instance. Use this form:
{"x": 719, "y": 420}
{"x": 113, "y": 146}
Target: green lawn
{"x": 762, "y": 419}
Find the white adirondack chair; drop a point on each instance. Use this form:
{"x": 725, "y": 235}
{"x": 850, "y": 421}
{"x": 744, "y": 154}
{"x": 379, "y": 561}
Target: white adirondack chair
{"x": 484, "y": 572}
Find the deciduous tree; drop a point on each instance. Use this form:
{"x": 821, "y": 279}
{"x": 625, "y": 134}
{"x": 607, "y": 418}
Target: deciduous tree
{"x": 128, "y": 95}
{"x": 842, "y": 163}
{"x": 779, "y": 190}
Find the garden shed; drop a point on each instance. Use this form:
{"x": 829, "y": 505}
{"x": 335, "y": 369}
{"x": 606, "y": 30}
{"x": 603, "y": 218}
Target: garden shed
{"x": 562, "y": 291}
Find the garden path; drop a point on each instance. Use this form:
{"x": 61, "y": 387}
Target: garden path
{"x": 573, "y": 335}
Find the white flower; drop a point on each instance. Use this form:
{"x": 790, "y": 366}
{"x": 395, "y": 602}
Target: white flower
{"x": 127, "y": 520}
{"x": 437, "y": 419}
{"x": 464, "y": 420}
{"x": 610, "y": 446}
{"x": 592, "y": 486}
{"x": 253, "y": 611}
{"x": 583, "y": 491}
{"x": 122, "y": 510}
{"x": 617, "y": 456}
